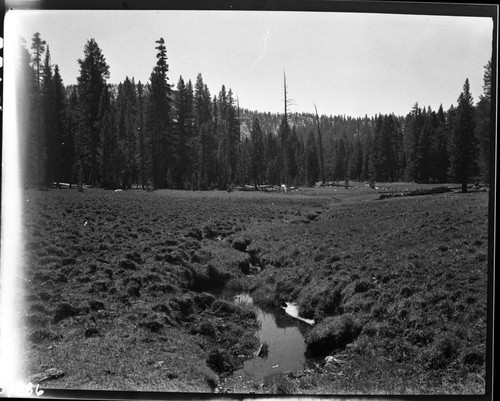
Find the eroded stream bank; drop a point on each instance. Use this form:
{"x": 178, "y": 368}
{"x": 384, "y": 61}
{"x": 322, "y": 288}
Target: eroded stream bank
{"x": 282, "y": 344}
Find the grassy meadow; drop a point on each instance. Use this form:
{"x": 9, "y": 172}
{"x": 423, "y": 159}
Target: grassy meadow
{"x": 117, "y": 287}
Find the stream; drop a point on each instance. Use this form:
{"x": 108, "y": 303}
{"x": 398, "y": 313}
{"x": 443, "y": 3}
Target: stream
{"x": 284, "y": 336}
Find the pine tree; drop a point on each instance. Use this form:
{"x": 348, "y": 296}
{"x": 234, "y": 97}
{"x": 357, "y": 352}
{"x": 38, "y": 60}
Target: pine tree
{"x": 483, "y": 131}
{"x": 257, "y": 153}
{"x": 64, "y": 158}
{"x": 112, "y": 161}
{"x": 423, "y": 149}
{"x": 411, "y": 136}
{"x": 26, "y": 102}
{"x": 37, "y": 140}
{"x": 127, "y": 125}
{"x": 91, "y": 83}
{"x": 355, "y": 160}
{"x": 72, "y": 121}
{"x": 142, "y": 130}
{"x": 38, "y": 47}
{"x": 159, "y": 120}
{"x": 439, "y": 158}
{"x": 312, "y": 164}
{"x": 47, "y": 149}
{"x": 464, "y": 142}
{"x": 59, "y": 145}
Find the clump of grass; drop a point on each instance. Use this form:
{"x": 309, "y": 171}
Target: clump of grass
{"x": 205, "y": 328}
{"x": 64, "y": 310}
{"x": 320, "y": 300}
{"x": 442, "y": 351}
{"x": 204, "y": 300}
{"x": 332, "y": 333}
{"x": 221, "y": 361}
{"x": 265, "y": 295}
{"x": 264, "y": 350}
{"x": 241, "y": 242}
{"x": 362, "y": 286}
{"x": 279, "y": 383}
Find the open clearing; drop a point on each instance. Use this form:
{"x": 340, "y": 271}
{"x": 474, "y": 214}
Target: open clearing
{"x": 118, "y": 288}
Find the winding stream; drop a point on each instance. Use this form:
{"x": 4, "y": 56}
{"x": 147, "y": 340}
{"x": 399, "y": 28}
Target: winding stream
{"x": 283, "y": 334}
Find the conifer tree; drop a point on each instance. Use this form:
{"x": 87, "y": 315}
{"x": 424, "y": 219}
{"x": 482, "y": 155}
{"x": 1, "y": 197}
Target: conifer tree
{"x": 465, "y": 148}
{"x": 440, "y": 159}
{"x": 483, "y": 131}
{"x": 159, "y": 120}
{"x": 64, "y": 157}
{"x": 26, "y": 121}
{"x": 312, "y": 165}
{"x": 37, "y": 137}
{"x": 142, "y": 130}
{"x": 94, "y": 71}
{"x": 38, "y": 47}
{"x": 257, "y": 153}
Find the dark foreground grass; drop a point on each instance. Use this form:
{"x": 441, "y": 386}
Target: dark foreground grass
{"x": 116, "y": 287}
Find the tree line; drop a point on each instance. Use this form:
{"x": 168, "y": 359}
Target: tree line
{"x": 160, "y": 135}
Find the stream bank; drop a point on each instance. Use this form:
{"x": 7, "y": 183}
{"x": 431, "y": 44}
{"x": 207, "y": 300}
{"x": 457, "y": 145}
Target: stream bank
{"x": 282, "y": 344}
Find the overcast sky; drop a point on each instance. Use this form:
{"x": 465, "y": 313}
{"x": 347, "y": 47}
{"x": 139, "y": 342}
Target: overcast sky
{"x": 346, "y": 63}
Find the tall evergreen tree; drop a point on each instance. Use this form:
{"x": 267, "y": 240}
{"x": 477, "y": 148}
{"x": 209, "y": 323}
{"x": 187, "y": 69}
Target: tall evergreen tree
{"x": 37, "y": 140}
{"x": 27, "y": 122}
{"x": 411, "y": 136}
{"x": 63, "y": 163}
{"x": 464, "y": 142}
{"x": 142, "y": 139}
{"x": 483, "y": 130}
{"x": 94, "y": 71}
{"x": 38, "y": 47}
{"x": 440, "y": 158}
{"x": 57, "y": 162}
{"x": 422, "y": 156}
{"x": 159, "y": 120}
{"x": 312, "y": 164}
{"x": 257, "y": 153}
{"x": 48, "y": 151}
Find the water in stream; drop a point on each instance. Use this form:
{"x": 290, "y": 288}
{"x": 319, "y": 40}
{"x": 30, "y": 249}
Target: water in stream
{"x": 283, "y": 334}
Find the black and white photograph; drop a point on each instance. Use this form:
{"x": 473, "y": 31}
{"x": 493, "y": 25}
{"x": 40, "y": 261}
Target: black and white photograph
{"x": 248, "y": 202}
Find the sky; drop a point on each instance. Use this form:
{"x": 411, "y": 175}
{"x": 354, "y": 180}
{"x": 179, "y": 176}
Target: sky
{"x": 345, "y": 63}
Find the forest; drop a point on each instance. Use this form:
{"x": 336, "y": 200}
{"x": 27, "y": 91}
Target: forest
{"x": 161, "y": 135}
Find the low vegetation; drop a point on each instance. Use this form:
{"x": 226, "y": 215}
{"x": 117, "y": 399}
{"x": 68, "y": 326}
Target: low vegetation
{"x": 120, "y": 287}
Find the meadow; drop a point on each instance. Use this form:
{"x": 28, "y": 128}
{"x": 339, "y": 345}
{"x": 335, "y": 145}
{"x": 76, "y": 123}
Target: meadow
{"x": 118, "y": 287}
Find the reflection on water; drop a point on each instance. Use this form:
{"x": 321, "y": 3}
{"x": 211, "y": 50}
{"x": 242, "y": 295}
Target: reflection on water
{"x": 284, "y": 336}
